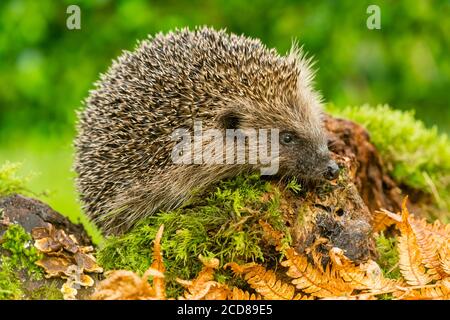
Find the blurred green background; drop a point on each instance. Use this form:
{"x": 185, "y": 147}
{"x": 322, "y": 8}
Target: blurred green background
{"x": 46, "y": 70}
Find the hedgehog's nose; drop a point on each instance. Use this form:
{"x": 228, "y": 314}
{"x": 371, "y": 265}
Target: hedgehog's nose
{"x": 332, "y": 170}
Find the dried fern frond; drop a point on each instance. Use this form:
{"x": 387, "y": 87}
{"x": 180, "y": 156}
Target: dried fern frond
{"x": 203, "y": 286}
{"x": 127, "y": 285}
{"x": 417, "y": 250}
{"x": 123, "y": 285}
{"x": 239, "y": 294}
{"x": 444, "y": 257}
{"x": 367, "y": 276}
{"x": 273, "y": 236}
{"x": 158, "y": 278}
{"x": 431, "y": 238}
{"x": 311, "y": 280}
{"x": 411, "y": 261}
{"x": 265, "y": 282}
{"x": 362, "y": 296}
{"x": 209, "y": 290}
{"x": 382, "y": 220}
{"x": 429, "y": 247}
{"x": 240, "y": 269}
{"x": 315, "y": 254}
{"x": 438, "y": 291}
{"x": 437, "y": 229}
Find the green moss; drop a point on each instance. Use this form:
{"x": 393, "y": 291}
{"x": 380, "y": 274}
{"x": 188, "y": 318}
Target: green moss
{"x": 388, "y": 256}
{"x": 9, "y": 181}
{"x": 50, "y": 292}
{"x": 220, "y": 225}
{"x": 416, "y": 156}
{"x": 10, "y": 286}
{"x": 294, "y": 186}
{"x": 388, "y": 260}
{"x": 22, "y": 254}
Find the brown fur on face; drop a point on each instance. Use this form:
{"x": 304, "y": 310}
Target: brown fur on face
{"x": 307, "y": 155}
{"x": 123, "y": 146}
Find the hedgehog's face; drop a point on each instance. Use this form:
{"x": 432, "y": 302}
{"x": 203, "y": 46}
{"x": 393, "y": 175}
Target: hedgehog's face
{"x": 302, "y": 143}
{"x": 306, "y": 156}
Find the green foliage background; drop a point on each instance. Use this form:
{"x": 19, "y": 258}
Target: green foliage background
{"x": 46, "y": 69}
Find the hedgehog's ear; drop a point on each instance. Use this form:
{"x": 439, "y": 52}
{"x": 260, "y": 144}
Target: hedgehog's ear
{"x": 229, "y": 120}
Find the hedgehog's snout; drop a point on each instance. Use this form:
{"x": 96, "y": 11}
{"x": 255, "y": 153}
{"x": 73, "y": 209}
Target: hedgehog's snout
{"x": 325, "y": 166}
{"x": 332, "y": 170}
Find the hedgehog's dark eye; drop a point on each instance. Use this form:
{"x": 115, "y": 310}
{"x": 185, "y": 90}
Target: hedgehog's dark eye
{"x": 230, "y": 121}
{"x": 287, "y": 138}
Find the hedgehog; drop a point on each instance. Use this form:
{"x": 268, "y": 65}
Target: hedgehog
{"x": 125, "y": 143}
